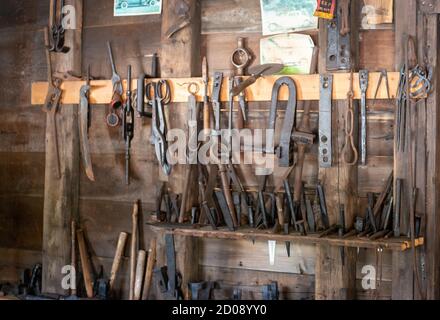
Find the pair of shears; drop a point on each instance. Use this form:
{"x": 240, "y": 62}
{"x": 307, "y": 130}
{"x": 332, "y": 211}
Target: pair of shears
{"x": 158, "y": 95}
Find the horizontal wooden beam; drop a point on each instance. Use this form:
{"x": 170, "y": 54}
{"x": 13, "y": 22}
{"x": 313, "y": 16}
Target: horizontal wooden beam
{"x": 307, "y": 86}
{"x": 401, "y": 244}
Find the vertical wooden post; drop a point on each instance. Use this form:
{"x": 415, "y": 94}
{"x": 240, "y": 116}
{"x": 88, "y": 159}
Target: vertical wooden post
{"x": 432, "y": 248}
{"x": 335, "y": 274}
{"x": 61, "y": 195}
{"x": 403, "y": 280}
{"x": 180, "y": 57}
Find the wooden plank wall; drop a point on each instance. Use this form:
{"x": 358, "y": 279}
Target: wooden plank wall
{"x": 105, "y": 206}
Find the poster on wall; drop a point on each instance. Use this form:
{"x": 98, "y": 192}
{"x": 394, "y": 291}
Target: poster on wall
{"x": 284, "y": 16}
{"x": 125, "y": 8}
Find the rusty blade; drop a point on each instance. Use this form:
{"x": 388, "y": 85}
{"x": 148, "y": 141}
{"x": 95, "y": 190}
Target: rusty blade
{"x": 83, "y": 132}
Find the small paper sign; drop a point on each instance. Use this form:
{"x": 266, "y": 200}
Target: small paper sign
{"x": 125, "y": 8}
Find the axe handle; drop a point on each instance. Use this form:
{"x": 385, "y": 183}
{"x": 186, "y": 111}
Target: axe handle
{"x": 117, "y": 259}
{"x": 85, "y": 263}
{"x": 149, "y": 271}
{"x": 140, "y": 270}
{"x": 133, "y": 248}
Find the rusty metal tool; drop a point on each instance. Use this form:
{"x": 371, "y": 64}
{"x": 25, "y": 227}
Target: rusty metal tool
{"x": 52, "y": 103}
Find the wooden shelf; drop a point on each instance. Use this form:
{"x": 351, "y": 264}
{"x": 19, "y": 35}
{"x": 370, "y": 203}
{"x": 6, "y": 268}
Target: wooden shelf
{"x": 401, "y": 244}
{"x": 307, "y": 86}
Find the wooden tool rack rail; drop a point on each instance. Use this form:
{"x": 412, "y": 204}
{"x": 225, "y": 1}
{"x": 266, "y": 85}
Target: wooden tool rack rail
{"x": 307, "y": 87}
{"x": 393, "y": 244}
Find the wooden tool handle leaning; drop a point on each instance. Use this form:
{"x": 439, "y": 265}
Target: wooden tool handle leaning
{"x": 133, "y": 248}
{"x": 117, "y": 259}
{"x": 140, "y": 271}
{"x": 149, "y": 271}
{"x": 85, "y": 263}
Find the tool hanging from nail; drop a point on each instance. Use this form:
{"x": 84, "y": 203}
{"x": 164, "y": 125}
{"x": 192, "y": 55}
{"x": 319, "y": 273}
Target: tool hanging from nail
{"x": 284, "y": 149}
{"x": 52, "y": 104}
{"x": 240, "y": 59}
{"x": 128, "y": 126}
{"x": 84, "y": 125}
{"x": 218, "y": 151}
{"x": 363, "y": 83}
{"x": 159, "y": 95}
{"x": 349, "y": 129}
{"x": 57, "y": 29}
{"x": 141, "y": 92}
{"x": 116, "y": 104}
{"x": 325, "y": 121}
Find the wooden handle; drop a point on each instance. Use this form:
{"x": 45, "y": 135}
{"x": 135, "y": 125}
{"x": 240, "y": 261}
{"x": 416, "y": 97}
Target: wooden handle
{"x": 140, "y": 270}
{"x": 206, "y": 116}
{"x": 85, "y": 264}
{"x": 280, "y": 209}
{"x": 117, "y": 259}
{"x": 73, "y": 253}
{"x": 149, "y": 271}
{"x": 133, "y": 248}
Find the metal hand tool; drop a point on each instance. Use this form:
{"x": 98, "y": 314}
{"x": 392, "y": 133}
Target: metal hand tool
{"x": 383, "y": 76}
{"x": 113, "y": 119}
{"x": 237, "y": 186}
{"x": 192, "y": 151}
{"x": 297, "y": 221}
{"x": 323, "y": 206}
{"x": 241, "y": 59}
{"x": 284, "y": 150}
{"x": 270, "y": 291}
{"x": 363, "y": 82}
{"x": 256, "y": 73}
{"x": 206, "y": 110}
{"x": 158, "y": 95}
{"x": 140, "y": 94}
{"x": 206, "y": 194}
{"x": 174, "y": 291}
{"x": 52, "y": 103}
{"x": 201, "y": 290}
{"x": 84, "y": 124}
{"x": 128, "y": 126}
{"x": 261, "y": 213}
{"x": 225, "y": 210}
{"x": 57, "y": 29}
{"x": 339, "y": 39}
{"x": 325, "y": 121}
{"x": 216, "y": 133}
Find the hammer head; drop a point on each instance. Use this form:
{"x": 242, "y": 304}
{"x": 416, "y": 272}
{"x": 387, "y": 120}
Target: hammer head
{"x": 303, "y": 137}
